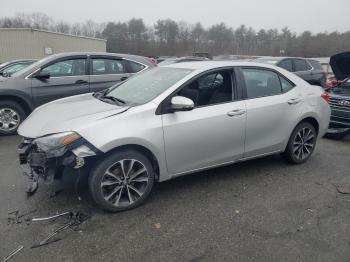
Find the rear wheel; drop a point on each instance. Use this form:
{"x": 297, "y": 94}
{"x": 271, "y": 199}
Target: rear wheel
{"x": 11, "y": 116}
{"x": 301, "y": 144}
{"x": 121, "y": 181}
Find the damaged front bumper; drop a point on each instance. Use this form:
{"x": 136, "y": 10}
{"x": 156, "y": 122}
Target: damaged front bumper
{"x": 50, "y": 163}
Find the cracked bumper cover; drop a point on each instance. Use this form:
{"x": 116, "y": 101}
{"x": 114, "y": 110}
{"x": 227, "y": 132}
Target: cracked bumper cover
{"x": 50, "y": 164}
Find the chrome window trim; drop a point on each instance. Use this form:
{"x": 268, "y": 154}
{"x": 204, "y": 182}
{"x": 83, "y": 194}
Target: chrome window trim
{"x": 146, "y": 67}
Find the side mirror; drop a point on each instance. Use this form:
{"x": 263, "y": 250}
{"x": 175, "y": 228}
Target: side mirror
{"x": 181, "y": 103}
{"x": 42, "y": 75}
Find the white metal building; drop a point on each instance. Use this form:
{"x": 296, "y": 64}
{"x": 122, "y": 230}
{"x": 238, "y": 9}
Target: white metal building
{"x": 26, "y": 43}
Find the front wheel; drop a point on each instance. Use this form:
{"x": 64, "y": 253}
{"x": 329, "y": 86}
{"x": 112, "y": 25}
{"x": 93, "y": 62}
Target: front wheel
{"x": 11, "y": 116}
{"x": 121, "y": 181}
{"x": 301, "y": 144}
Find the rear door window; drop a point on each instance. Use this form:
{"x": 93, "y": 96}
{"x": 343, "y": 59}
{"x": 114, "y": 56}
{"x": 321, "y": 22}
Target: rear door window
{"x": 286, "y": 85}
{"x": 300, "y": 65}
{"x": 286, "y": 64}
{"x": 105, "y": 66}
{"x": 261, "y": 82}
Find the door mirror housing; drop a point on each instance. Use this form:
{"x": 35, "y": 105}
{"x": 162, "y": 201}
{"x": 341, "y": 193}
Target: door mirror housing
{"x": 181, "y": 103}
{"x": 42, "y": 75}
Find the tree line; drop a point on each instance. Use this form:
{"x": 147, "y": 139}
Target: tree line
{"x": 169, "y": 37}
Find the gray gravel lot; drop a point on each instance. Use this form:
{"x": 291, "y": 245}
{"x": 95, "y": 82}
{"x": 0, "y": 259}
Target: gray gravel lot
{"x": 261, "y": 210}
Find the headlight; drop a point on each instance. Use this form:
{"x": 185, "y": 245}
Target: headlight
{"x": 56, "y": 144}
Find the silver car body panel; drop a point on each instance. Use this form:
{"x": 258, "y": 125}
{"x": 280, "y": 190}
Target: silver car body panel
{"x": 185, "y": 142}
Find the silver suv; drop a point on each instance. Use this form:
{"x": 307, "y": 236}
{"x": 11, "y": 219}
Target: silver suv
{"x": 171, "y": 121}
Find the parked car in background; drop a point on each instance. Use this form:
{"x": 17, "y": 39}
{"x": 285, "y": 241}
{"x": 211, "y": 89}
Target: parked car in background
{"x": 11, "y": 67}
{"x": 308, "y": 69}
{"x": 175, "y": 60}
{"x": 203, "y": 54}
{"x": 59, "y": 76}
{"x": 162, "y": 58}
{"x": 340, "y": 96}
{"x": 171, "y": 121}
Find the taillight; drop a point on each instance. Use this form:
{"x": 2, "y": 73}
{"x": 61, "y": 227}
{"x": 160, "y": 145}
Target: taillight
{"x": 329, "y": 85}
{"x": 325, "y": 97}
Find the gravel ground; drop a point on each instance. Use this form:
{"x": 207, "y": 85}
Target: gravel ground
{"x": 261, "y": 210}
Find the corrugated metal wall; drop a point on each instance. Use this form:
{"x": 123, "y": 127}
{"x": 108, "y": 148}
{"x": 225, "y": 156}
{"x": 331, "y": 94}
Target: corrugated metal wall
{"x": 27, "y": 43}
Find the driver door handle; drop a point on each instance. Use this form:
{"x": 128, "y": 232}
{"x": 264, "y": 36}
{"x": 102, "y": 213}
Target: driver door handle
{"x": 79, "y": 82}
{"x": 294, "y": 101}
{"x": 236, "y": 112}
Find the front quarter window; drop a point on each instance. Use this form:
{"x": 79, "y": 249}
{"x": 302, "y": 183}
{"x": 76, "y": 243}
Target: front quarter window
{"x": 146, "y": 86}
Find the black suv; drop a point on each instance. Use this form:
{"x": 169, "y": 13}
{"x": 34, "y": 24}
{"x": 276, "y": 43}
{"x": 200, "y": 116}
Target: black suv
{"x": 308, "y": 69}
{"x": 58, "y": 76}
{"x": 340, "y": 96}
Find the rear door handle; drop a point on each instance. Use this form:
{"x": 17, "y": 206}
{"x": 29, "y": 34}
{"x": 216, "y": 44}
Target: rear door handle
{"x": 294, "y": 101}
{"x": 79, "y": 82}
{"x": 236, "y": 112}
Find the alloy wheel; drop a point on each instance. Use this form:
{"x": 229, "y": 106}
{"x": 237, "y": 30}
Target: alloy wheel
{"x": 304, "y": 143}
{"x": 9, "y": 119}
{"x": 124, "y": 182}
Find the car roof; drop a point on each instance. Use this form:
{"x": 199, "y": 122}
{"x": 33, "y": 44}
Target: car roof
{"x": 207, "y": 65}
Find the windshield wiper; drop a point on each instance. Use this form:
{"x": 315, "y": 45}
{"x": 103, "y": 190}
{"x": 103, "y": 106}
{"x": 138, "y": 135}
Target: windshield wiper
{"x": 117, "y": 101}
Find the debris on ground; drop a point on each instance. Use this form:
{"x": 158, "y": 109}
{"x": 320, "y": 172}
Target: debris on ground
{"x": 69, "y": 214}
{"x": 55, "y": 193}
{"x": 75, "y": 220}
{"x": 14, "y": 252}
{"x": 157, "y": 225}
{"x": 16, "y": 218}
{"x": 343, "y": 189}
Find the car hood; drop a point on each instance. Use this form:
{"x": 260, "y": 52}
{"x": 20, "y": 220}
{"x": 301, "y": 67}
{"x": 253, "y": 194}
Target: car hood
{"x": 340, "y": 64}
{"x": 67, "y": 114}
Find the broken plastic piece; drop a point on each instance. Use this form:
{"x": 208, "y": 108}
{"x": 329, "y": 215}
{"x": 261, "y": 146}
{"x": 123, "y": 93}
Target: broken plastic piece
{"x": 14, "y": 252}
{"x": 344, "y": 189}
{"x": 75, "y": 221}
{"x": 52, "y": 217}
{"x": 33, "y": 184}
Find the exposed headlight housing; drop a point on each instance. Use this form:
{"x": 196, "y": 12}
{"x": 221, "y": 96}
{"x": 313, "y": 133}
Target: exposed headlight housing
{"x": 56, "y": 144}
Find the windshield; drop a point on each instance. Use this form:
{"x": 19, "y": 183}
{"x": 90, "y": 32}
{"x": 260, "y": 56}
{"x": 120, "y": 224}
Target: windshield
{"x": 30, "y": 67}
{"x": 271, "y": 61}
{"x": 13, "y": 68}
{"x": 146, "y": 86}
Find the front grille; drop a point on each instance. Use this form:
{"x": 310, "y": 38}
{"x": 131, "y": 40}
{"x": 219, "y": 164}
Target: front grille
{"x": 340, "y": 103}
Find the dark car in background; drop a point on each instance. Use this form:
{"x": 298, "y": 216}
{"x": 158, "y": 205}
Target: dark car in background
{"x": 175, "y": 60}
{"x": 308, "y": 69}
{"x": 340, "y": 96}
{"x": 59, "y": 76}
{"x": 11, "y": 67}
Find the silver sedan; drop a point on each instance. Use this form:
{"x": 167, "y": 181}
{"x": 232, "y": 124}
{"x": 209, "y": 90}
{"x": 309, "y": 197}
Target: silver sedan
{"x": 171, "y": 121}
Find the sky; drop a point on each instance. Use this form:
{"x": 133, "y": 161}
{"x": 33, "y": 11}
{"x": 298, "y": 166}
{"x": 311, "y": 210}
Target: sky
{"x": 299, "y": 15}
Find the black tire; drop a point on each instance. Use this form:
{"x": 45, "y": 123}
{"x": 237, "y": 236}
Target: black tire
{"x": 98, "y": 176}
{"x": 8, "y": 104}
{"x": 290, "y": 154}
